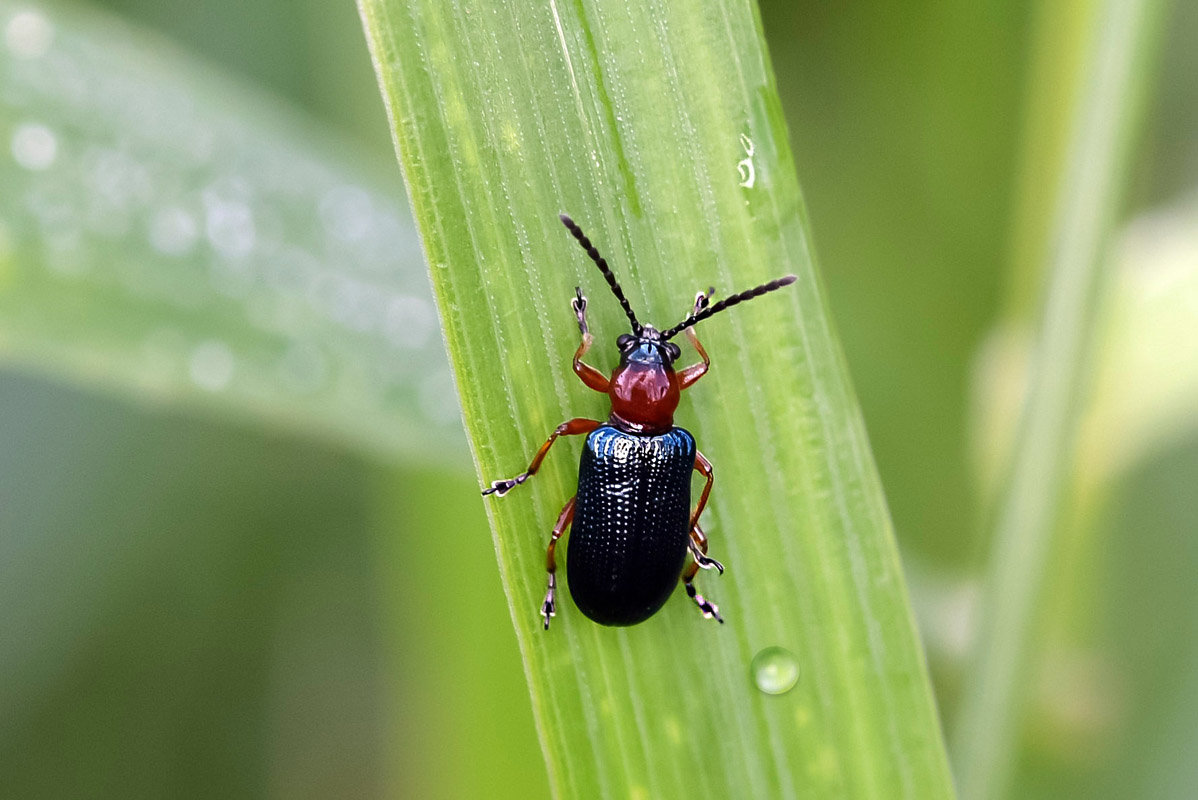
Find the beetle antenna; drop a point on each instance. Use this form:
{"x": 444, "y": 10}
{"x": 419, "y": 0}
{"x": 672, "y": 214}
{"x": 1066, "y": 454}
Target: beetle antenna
{"x": 728, "y": 302}
{"x": 606, "y": 270}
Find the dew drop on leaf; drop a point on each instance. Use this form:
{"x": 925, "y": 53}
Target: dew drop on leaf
{"x": 775, "y": 670}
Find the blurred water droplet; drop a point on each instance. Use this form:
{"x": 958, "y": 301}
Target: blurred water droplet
{"x": 173, "y": 232}
{"x": 28, "y": 34}
{"x": 409, "y": 322}
{"x": 229, "y": 226}
{"x": 775, "y": 670}
{"x": 211, "y": 366}
{"x": 34, "y": 146}
{"x": 116, "y": 177}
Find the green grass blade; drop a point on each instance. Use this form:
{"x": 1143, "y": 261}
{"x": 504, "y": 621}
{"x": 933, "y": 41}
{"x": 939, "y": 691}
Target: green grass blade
{"x": 169, "y": 236}
{"x": 1108, "y": 79}
{"x": 657, "y": 126}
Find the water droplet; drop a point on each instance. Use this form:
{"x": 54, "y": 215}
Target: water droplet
{"x": 748, "y": 175}
{"x": 34, "y": 146}
{"x": 775, "y": 670}
{"x": 28, "y": 34}
{"x": 745, "y": 168}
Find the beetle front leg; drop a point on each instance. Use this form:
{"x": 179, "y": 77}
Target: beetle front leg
{"x": 571, "y": 428}
{"x": 588, "y": 374}
{"x": 692, "y": 373}
{"x": 699, "y": 549}
{"x": 549, "y": 607}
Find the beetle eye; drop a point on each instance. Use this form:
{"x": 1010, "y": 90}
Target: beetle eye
{"x": 625, "y": 341}
{"x": 672, "y": 351}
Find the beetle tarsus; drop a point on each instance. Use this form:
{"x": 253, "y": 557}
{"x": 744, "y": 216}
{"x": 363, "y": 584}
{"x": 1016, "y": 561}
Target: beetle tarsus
{"x": 707, "y": 608}
{"x": 579, "y": 304}
{"x": 549, "y": 607}
{"x": 500, "y": 488}
{"x": 702, "y": 559}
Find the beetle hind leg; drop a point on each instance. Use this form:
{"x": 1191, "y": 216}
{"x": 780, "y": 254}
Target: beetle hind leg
{"x": 698, "y": 548}
{"x": 549, "y": 607}
{"x": 709, "y": 609}
{"x": 704, "y": 561}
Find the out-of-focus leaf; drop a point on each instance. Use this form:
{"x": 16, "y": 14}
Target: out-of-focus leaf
{"x": 168, "y": 236}
{"x": 1102, "y": 715}
{"x": 1146, "y": 395}
{"x": 187, "y": 608}
{"x": 1106, "y": 99}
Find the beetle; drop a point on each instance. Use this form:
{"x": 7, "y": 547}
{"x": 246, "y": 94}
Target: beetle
{"x": 631, "y": 525}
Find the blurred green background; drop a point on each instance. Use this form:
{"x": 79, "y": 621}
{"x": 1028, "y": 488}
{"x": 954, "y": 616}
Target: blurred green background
{"x": 205, "y": 593}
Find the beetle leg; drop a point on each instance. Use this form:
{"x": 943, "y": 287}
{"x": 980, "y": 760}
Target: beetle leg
{"x": 688, "y": 376}
{"x": 709, "y": 609}
{"x": 698, "y": 546}
{"x": 549, "y": 608}
{"x": 588, "y": 374}
{"x": 698, "y": 540}
{"x": 570, "y": 428}
{"x": 704, "y": 468}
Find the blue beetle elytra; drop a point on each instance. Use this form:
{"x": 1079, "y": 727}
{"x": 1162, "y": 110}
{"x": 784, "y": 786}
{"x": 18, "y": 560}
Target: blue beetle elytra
{"x": 631, "y": 522}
